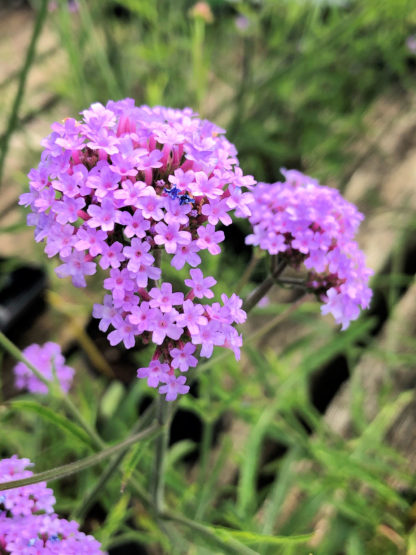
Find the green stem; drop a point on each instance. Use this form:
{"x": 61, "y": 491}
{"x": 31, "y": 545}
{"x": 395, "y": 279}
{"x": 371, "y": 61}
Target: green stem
{"x": 256, "y": 257}
{"x": 199, "y": 70}
{"x": 263, "y": 288}
{"x": 207, "y": 436}
{"x": 257, "y": 334}
{"x": 72, "y": 409}
{"x": 229, "y": 545}
{"x": 78, "y": 466}
{"x": 11, "y": 124}
{"x": 87, "y": 502}
{"x": 294, "y": 282}
{"x": 158, "y": 485}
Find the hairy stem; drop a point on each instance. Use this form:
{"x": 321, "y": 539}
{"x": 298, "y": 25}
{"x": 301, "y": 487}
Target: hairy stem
{"x": 255, "y": 259}
{"x": 82, "y": 510}
{"x": 264, "y": 287}
{"x": 87, "y": 462}
{"x": 163, "y": 419}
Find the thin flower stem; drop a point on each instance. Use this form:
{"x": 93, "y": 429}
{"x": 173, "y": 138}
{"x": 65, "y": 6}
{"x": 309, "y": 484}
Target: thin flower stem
{"x": 78, "y": 466}
{"x": 72, "y": 409}
{"x": 157, "y": 253}
{"x": 295, "y": 282}
{"x": 163, "y": 419}
{"x": 263, "y": 288}
{"x": 255, "y": 259}
{"x": 230, "y": 545}
{"x": 207, "y": 436}
{"x": 277, "y": 320}
{"x": 114, "y": 465}
{"x": 11, "y": 124}
{"x": 257, "y": 334}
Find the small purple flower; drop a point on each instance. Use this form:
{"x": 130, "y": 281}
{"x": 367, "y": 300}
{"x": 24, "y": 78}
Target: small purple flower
{"x": 124, "y": 331}
{"x": 216, "y": 211}
{"x": 170, "y": 236}
{"x": 186, "y": 254}
{"x": 163, "y": 325}
{"x": 112, "y": 255}
{"x": 142, "y": 316}
{"x": 119, "y": 282}
{"x": 209, "y": 239}
{"x": 104, "y": 216}
{"x": 77, "y": 266}
{"x": 67, "y": 211}
{"x": 182, "y": 357}
{"x": 155, "y": 373}
{"x": 201, "y": 287}
{"x": 90, "y": 239}
{"x": 137, "y": 254}
{"x": 135, "y": 225}
{"x": 207, "y": 337}
{"x": 174, "y": 387}
{"x": 192, "y": 317}
{"x": 105, "y": 312}
{"x": 163, "y": 297}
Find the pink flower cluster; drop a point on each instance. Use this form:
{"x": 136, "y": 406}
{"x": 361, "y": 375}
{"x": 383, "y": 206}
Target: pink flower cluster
{"x": 304, "y": 222}
{"x": 124, "y": 185}
{"x": 48, "y": 359}
{"x": 28, "y": 525}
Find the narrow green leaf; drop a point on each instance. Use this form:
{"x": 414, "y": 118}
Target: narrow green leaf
{"x": 246, "y": 491}
{"x": 251, "y": 537}
{"x": 131, "y": 464}
{"x": 52, "y": 416}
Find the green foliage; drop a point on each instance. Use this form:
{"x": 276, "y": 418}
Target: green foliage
{"x": 291, "y": 86}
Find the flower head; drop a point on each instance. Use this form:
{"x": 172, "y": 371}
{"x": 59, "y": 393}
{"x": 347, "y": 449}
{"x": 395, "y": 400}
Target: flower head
{"x": 126, "y": 183}
{"x": 305, "y": 222}
{"x": 49, "y": 360}
{"x": 28, "y": 525}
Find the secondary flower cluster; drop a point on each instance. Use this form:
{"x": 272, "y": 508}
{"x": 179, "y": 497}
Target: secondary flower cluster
{"x": 118, "y": 188}
{"x": 304, "y": 222}
{"x": 28, "y": 524}
{"x": 49, "y": 360}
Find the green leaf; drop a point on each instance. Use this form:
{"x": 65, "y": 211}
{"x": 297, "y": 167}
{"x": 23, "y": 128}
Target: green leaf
{"x": 252, "y": 537}
{"x": 131, "y": 464}
{"x": 246, "y": 491}
{"x": 111, "y": 399}
{"x": 55, "y": 418}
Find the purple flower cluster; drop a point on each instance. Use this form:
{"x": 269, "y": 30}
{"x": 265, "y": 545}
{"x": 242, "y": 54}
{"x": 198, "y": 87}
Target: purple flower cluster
{"x": 304, "y": 222}
{"x": 28, "y": 525}
{"x": 49, "y": 360}
{"x": 124, "y": 185}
